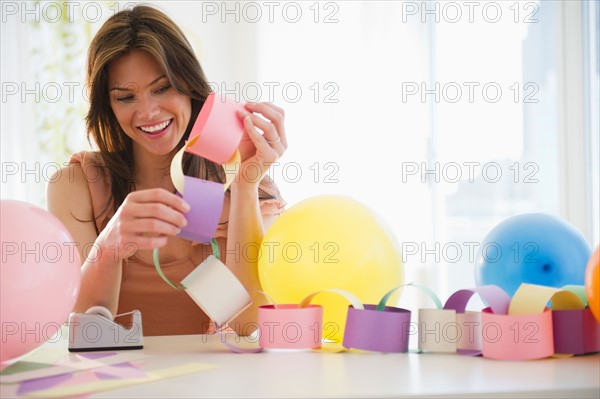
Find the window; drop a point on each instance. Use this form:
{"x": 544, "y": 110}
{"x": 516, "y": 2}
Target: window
{"x": 444, "y": 117}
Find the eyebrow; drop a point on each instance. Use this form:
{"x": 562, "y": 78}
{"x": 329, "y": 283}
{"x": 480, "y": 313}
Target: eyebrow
{"x": 129, "y": 89}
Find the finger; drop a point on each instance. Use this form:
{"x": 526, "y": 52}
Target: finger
{"x": 141, "y": 227}
{"x": 257, "y": 139}
{"x": 160, "y": 195}
{"x": 272, "y": 113}
{"x": 157, "y": 211}
{"x": 270, "y": 133}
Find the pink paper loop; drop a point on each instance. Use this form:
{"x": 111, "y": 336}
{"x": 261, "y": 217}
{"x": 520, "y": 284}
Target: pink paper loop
{"x": 290, "y": 326}
{"x": 219, "y": 130}
{"x": 521, "y": 337}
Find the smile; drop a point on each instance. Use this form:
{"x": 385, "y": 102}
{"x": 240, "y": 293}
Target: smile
{"x": 156, "y": 128}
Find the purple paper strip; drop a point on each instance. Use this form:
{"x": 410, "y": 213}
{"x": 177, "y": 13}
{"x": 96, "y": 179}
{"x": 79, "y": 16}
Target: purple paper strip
{"x": 496, "y": 298}
{"x": 96, "y": 355}
{"x": 206, "y": 201}
{"x": 567, "y": 326}
{"x": 42, "y": 383}
{"x": 232, "y": 347}
{"x": 591, "y": 332}
{"x": 377, "y": 331}
{"x": 575, "y": 331}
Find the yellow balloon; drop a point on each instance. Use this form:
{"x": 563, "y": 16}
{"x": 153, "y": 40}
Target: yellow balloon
{"x": 329, "y": 241}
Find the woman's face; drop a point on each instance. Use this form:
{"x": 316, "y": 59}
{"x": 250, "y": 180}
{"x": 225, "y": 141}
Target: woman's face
{"x": 151, "y": 112}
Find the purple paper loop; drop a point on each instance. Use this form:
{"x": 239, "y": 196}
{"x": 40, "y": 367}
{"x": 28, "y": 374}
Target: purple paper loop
{"x": 378, "y": 331}
{"x": 206, "y": 201}
{"x": 575, "y": 332}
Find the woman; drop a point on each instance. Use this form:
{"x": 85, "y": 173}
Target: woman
{"x": 146, "y": 89}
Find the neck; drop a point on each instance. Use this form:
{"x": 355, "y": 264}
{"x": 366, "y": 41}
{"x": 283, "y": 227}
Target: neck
{"x": 153, "y": 171}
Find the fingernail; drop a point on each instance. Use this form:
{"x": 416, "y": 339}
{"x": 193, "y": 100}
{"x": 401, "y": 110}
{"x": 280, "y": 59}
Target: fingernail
{"x": 186, "y": 207}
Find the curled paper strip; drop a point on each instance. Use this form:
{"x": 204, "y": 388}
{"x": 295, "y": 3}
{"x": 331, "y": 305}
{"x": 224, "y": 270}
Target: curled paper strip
{"x": 218, "y": 128}
{"x": 206, "y": 204}
{"x": 216, "y": 290}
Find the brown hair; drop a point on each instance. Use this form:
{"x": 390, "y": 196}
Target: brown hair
{"x": 150, "y": 30}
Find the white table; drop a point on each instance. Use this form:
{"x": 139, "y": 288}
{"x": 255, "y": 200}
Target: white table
{"x": 361, "y": 375}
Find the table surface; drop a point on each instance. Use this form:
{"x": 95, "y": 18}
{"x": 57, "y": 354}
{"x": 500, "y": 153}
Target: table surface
{"x": 351, "y": 374}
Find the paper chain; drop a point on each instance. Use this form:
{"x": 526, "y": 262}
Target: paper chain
{"x": 521, "y": 328}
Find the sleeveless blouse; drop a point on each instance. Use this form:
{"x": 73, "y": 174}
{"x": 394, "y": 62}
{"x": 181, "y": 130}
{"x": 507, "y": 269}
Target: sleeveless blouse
{"x": 165, "y": 311}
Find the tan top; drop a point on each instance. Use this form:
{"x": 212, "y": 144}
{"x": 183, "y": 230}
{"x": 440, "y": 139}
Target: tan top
{"x": 165, "y": 311}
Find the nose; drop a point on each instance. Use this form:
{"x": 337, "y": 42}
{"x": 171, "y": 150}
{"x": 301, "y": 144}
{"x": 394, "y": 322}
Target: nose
{"x": 147, "y": 108}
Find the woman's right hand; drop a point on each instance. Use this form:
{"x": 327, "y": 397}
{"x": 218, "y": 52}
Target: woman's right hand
{"x": 144, "y": 220}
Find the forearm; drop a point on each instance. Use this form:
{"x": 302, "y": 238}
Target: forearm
{"x": 100, "y": 282}
{"x": 244, "y": 237}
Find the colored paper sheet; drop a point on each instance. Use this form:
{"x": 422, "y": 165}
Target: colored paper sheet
{"x": 69, "y": 364}
{"x": 92, "y": 386}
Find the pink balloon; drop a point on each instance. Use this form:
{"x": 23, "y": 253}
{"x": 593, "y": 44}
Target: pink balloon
{"x": 39, "y": 277}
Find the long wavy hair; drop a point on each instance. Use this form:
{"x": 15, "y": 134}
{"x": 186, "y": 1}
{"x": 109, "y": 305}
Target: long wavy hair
{"x": 150, "y": 30}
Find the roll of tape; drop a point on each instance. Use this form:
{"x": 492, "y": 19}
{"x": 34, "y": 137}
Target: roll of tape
{"x": 101, "y": 311}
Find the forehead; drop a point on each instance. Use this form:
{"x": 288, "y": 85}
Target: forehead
{"x": 137, "y": 66}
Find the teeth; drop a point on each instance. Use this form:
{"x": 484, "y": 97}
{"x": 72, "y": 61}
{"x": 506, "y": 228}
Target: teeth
{"x": 155, "y": 128}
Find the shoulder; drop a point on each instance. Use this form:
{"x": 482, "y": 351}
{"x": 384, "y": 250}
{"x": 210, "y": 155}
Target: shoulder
{"x": 68, "y": 192}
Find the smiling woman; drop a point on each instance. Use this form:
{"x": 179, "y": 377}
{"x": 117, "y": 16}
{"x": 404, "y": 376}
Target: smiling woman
{"x": 145, "y": 104}
{"x": 146, "y": 90}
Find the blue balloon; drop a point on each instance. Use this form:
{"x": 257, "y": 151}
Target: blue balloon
{"x": 534, "y": 248}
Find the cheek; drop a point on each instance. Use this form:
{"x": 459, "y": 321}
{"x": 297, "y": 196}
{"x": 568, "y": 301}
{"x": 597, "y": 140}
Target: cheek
{"x": 122, "y": 115}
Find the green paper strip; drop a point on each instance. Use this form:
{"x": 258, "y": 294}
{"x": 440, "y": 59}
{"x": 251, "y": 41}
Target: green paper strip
{"x": 426, "y": 290}
{"x": 216, "y": 253}
{"x": 578, "y": 290}
{"x": 160, "y": 272}
{"x": 215, "y": 248}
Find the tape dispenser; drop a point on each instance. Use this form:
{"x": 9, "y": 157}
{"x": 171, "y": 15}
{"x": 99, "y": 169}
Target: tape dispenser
{"x": 96, "y": 330}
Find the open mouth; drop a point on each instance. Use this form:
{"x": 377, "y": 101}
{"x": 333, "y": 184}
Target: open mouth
{"x": 157, "y": 128}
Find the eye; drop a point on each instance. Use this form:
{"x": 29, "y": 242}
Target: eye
{"x": 163, "y": 89}
{"x": 126, "y": 99}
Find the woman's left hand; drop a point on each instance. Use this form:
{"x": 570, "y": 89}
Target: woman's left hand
{"x": 259, "y": 151}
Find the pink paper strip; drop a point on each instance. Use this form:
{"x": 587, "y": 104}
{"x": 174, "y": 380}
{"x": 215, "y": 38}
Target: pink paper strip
{"x": 378, "y": 331}
{"x": 290, "y": 326}
{"x": 523, "y": 337}
{"x": 219, "y": 130}
{"x": 206, "y": 202}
